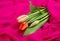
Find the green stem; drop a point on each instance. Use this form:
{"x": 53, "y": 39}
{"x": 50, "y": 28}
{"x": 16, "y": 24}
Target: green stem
{"x": 34, "y": 14}
{"x": 38, "y": 17}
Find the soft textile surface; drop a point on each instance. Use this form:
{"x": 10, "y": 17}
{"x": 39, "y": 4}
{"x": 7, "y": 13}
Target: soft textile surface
{"x": 11, "y": 9}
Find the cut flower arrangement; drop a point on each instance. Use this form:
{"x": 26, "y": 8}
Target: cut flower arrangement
{"x": 34, "y": 20}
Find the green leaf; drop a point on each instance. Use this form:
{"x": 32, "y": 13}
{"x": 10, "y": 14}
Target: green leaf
{"x": 35, "y": 28}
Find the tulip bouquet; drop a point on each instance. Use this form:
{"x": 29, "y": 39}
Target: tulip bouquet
{"x": 34, "y": 20}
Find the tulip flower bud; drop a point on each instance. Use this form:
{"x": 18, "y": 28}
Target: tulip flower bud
{"x": 34, "y": 23}
{"x": 23, "y": 26}
{"x": 22, "y": 18}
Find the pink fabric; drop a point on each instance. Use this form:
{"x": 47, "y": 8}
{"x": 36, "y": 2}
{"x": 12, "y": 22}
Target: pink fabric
{"x": 11, "y": 9}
